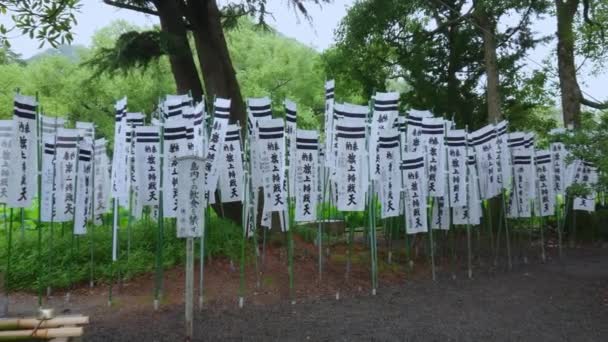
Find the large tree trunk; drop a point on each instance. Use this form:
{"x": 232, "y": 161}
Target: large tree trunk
{"x": 488, "y": 29}
{"x": 570, "y": 90}
{"x": 218, "y": 73}
{"x": 180, "y": 55}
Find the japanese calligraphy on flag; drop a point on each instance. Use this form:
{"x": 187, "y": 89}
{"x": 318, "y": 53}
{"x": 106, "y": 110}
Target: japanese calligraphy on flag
{"x": 174, "y": 147}
{"x": 471, "y": 213}
{"x": 66, "y": 149}
{"x": 231, "y": 182}
{"x": 329, "y": 121}
{"x": 195, "y": 117}
{"x": 433, "y": 131}
{"x": 389, "y": 152}
{"x": 414, "y": 128}
{"x": 290, "y": 138}
{"x": 440, "y": 218}
{"x": 190, "y": 197}
{"x": 519, "y": 203}
{"x": 48, "y": 178}
{"x": 24, "y": 166}
{"x": 259, "y": 109}
{"x": 306, "y": 170}
{"x": 457, "y": 168}
{"x": 414, "y": 180}
{"x": 147, "y": 165}
{"x": 558, "y": 165}
{"x": 587, "y": 176}
{"x": 503, "y": 157}
{"x": 119, "y": 168}
{"x": 384, "y": 116}
{"x": 84, "y": 187}
{"x": 6, "y": 142}
{"x": 484, "y": 142}
{"x": 101, "y": 193}
{"x": 272, "y": 163}
{"x": 351, "y": 179}
{"x": 214, "y": 148}
{"x": 545, "y": 183}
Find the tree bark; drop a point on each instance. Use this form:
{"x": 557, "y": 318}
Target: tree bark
{"x": 219, "y": 75}
{"x": 180, "y": 55}
{"x": 487, "y": 26}
{"x": 570, "y": 90}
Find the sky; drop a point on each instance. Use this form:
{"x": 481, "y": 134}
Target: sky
{"x": 318, "y": 34}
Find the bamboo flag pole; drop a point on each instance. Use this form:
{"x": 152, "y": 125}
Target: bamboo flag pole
{"x": 244, "y": 220}
{"x": 160, "y": 220}
{"x": 73, "y": 263}
{"x": 9, "y": 248}
{"x": 504, "y": 205}
{"x": 323, "y": 173}
{"x": 469, "y": 179}
{"x": 115, "y": 220}
{"x": 431, "y": 243}
{"x": 39, "y": 223}
{"x": 189, "y": 294}
{"x": 91, "y": 224}
{"x": 52, "y": 233}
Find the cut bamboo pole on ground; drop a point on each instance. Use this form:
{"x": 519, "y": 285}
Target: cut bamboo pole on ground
{"x": 25, "y": 335}
{"x": 31, "y": 323}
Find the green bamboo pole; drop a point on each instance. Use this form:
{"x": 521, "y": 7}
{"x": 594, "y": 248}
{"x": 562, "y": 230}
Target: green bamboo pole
{"x": 9, "y": 247}
{"x": 158, "y": 276}
{"x": 22, "y": 213}
{"x": 244, "y": 217}
{"x": 40, "y": 270}
{"x": 431, "y": 243}
{"x": 290, "y": 257}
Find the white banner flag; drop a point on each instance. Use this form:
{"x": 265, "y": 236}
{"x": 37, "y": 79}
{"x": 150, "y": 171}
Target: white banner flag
{"x": 272, "y": 163}
{"x": 523, "y": 175}
{"x": 190, "y": 197}
{"x": 484, "y": 142}
{"x": 306, "y": 170}
{"x": 231, "y": 181}
{"x": 384, "y": 117}
{"x": 147, "y": 165}
{"x": 457, "y": 168}
{"x": 503, "y": 158}
{"x": 66, "y": 149}
{"x": 415, "y": 206}
{"x": 119, "y": 187}
{"x": 101, "y": 193}
{"x": 214, "y": 148}
{"x": 558, "y": 164}
{"x": 24, "y": 161}
{"x": 84, "y": 187}
{"x": 471, "y": 213}
{"x": 414, "y": 128}
{"x": 544, "y": 178}
{"x": 174, "y": 147}
{"x": 587, "y": 176}
{"x": 290, "y": 143}
{"x": 389, "y": 152}
{"x": 259, "y": 109}
{"x": 433, "y": 132}
{"x": 329, "y": 122}
{"x": 352, "y": 179}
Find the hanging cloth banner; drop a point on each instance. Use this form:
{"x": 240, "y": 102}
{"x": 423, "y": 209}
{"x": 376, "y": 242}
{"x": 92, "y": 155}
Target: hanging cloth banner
{"x": 49, "y": 180}
{"x": 484, "y": 142}
{"x": 195, "y": 116}
{"x": 503, "y": 157}
{"x": 433, "y": 132}
{"x": 558, "y": 164}
{"x": 24, "y": 162}
{"x": 402, "y": 127}
{"x": 84, "y": 187}
{"x": 471, "y": 213}
{"x": 389, "y": 152}
{"x": 86, "y": 130}
{"x": 329, "y": 121}
{"x": 174, "y": 147}
{"x": 231, "y": 161}
{"x": 66, "y": 149}
{"x": 352, "y": 179}
{"x": 440, "y": 214}
{"x": 6, "y": 142}
{"x": 259, "y": 109}
{"x": 101, "y": 193}
{"x": 306, "y": 169}
{"x": 133, "y": 120}
{"x": 587, "y": 176}
{"x": 147, "y": 165}
{"x": 272, "y": 164}
{"x": 545, "y": 183}
{"x": 50, "y": 124}
{"x": 190, "y": 197}
{"x": 175, "y": 106}
{"x": 119, "y": 187}
{"x": 290, "y": 145}
{"x": 214, "y": 148}
{"x": 384, "y": 116}
{"x": 457, "y": 168}
{"x": 523, "y": 175}
{"x": 414, "y": 128}
{"x": 412, "y": 168}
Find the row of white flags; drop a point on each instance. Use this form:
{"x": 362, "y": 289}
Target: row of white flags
{"x": 189, "y": 158}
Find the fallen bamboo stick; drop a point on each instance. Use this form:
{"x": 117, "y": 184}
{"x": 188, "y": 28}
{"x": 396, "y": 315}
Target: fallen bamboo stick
{"x": 30, "y": 323}
{"x": 18, "y": 335}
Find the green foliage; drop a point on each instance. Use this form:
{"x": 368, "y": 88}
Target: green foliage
{"x": 69, "y": 260}
{"x": 45, "y": 21}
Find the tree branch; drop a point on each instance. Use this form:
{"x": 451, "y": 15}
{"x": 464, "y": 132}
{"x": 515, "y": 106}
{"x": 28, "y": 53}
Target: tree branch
{"x": 593, "y": 104}
{"x": 130, "y": 7}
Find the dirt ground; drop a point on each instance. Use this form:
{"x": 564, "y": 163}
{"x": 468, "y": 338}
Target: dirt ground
{"x": 552, "y": 301}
